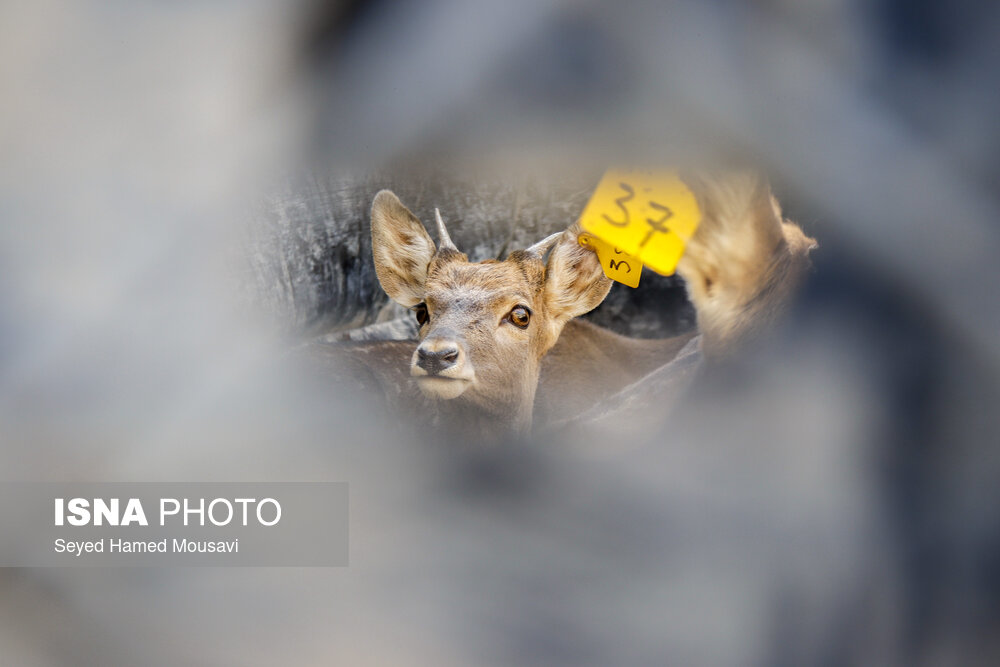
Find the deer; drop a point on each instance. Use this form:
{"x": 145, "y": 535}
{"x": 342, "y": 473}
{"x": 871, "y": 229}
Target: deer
{"x": 490, "y": 330}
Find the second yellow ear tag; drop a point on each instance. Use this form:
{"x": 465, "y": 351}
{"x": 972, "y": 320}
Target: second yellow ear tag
{"x": 617, "y": 265}
{"x": 649, "y": 215}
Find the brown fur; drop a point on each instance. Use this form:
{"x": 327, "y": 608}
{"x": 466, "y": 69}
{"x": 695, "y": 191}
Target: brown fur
{"x": 743, "y": 263}
{"x": 741, "y": 266}
{"x": 589, "y": 364}
{"x": 491, "y": 385}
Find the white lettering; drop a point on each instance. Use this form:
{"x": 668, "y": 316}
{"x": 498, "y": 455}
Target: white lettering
{"x": 277, "y": 512}
{"x": 163, "y": 509}
{"x": 211, "y": 512}
{"x": 200, "y": 511}
{"x": 78, "y": 507}
{"x": 134, "y": 513}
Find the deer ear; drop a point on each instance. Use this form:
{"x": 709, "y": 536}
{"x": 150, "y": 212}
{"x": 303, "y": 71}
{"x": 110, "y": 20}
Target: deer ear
{"x": 574, "y": 281}
{"x": 402, "y": 249}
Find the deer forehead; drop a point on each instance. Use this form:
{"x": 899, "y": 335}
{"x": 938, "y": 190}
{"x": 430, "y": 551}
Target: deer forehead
{"x": 489, "y": 284}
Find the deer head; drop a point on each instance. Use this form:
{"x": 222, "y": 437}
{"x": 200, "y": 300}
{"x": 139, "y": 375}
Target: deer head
{"x": 485, "y": 326}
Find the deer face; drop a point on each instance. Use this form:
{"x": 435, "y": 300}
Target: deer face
{"x": 484, "y": 327}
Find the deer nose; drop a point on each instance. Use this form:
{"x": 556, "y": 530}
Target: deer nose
{"x": 437, "y": 357}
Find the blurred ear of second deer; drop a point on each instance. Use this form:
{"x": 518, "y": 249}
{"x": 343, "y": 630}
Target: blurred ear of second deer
{"x": 744, "y": 261}
{"x": 487, "y": 328}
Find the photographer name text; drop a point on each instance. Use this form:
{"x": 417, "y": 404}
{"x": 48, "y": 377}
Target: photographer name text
{"x": 177, "y": 546}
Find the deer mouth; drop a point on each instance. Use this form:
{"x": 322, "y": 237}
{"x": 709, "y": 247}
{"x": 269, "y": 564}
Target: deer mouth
{"x": 442, "y": 387}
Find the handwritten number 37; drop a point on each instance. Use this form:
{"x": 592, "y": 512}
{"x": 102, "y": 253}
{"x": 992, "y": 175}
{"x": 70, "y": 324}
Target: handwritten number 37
{"x": 656, "y": 225}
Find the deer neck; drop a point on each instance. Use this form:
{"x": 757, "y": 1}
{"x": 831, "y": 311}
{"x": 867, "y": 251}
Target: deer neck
{"x": 477, "y": 419}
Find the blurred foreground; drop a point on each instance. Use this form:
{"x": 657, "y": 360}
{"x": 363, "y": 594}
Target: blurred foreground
{"x": 184, "y": 193}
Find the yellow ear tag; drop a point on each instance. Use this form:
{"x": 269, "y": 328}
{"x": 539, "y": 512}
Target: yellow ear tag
{"x": 618, "y": 266}
{"x": 650, "y": 215}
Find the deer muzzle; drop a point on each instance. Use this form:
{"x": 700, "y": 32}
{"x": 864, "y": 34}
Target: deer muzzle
{"x": 441, "y": 367}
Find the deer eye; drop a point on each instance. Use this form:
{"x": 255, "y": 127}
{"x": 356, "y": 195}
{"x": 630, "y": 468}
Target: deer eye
{"x": 519, "y": 317}
{"x": 420, "y": 310}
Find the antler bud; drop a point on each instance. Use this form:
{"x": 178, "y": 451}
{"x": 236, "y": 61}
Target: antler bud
{"x": 542, "y": 247}
{"x": 444, "y": 241}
